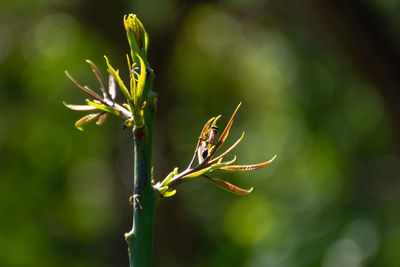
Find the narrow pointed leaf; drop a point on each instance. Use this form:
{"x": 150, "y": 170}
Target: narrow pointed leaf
{"x": 125, "y": 105}
{"x": 228, "y": 186}
{"x": 129, "y": 64}
{"x": 167, "y": 179}
{"x": 228, "y": 150}
{"x": 100, "y": 79}
{"x": 85, "y": 120}
{"x": 146, "y": 41}
{"x": 106, "y": 101}
{"x": 131, "y": 77}
{"x": 85, "y": 89}
{"x": 121, "y": 84}
{"x": 228, "y": 162}
{"x": 244, "y": 168}
{"x": 215, "y": 120}
{"x": 104, "y": 107}
{"x": 211, "y": 168}
{"x": 225, "y": 133}
{"x": 79, "y": 107}
{"x": 133, "y": 87}
{"x": 141, "y": 80}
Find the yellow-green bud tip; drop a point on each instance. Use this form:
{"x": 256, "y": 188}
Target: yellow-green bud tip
{"x": 134, "y": 28}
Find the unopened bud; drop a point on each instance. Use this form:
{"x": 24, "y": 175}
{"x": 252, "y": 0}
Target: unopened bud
{"x": 137, "y": 35}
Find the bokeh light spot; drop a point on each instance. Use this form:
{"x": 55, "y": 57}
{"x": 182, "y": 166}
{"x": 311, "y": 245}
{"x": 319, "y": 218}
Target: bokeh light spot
{"x": 344, "y": 252}
{"x": 56, "y": 34}
{"x": 253, "y": 212}
{"x": 365, "y": 234}
{"x": 218, "y": 33}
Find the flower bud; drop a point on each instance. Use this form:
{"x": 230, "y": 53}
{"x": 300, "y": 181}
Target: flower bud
{"x": 137, "y": 35}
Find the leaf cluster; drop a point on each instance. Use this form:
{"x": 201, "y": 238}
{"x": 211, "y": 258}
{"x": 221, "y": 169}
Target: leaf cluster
{"x": 207, "y": 163}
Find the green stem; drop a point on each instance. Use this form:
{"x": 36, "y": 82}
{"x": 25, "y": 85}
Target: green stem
{"x": 140, "y": 238}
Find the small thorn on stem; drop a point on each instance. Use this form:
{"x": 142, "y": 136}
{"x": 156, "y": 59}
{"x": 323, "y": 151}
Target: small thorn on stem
{"x": 136, "y": 198}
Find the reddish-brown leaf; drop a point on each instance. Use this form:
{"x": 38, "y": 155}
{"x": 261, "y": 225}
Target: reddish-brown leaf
{"x": 86, "y": 90}
{"x": 228, "y": 150}
{"x": 100, "y": 79}
{"x": 245, "y": 168}
{"x": 228, "y": 186}
{"x": 225, "y": 133}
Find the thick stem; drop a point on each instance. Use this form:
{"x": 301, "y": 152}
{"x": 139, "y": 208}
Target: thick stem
{"x": 140, "y": 238}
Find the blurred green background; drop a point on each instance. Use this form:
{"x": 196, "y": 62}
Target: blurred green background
{"x": 319, "y": 81}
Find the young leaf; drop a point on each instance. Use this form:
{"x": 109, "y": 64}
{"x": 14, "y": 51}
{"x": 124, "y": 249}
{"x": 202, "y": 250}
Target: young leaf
{"x": 85, "y": 120}
{"x": 211, "y": 168}
{"x": 225, "y": 133}
{"x": 245, "y": 168}
{"x": 79, "y": 107}
{"x": 104, "y": 107}
{"x": 228, "y": 186}
{"x": 85, "y": 89}
{"x": 141, "y": 82}
{"x": 167, "y": 179}
{"x": 228, "y": 150}
{"x": 169, "y": 193}
{"x": 121, "y": 84}
{"x": 100, "y": 79}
